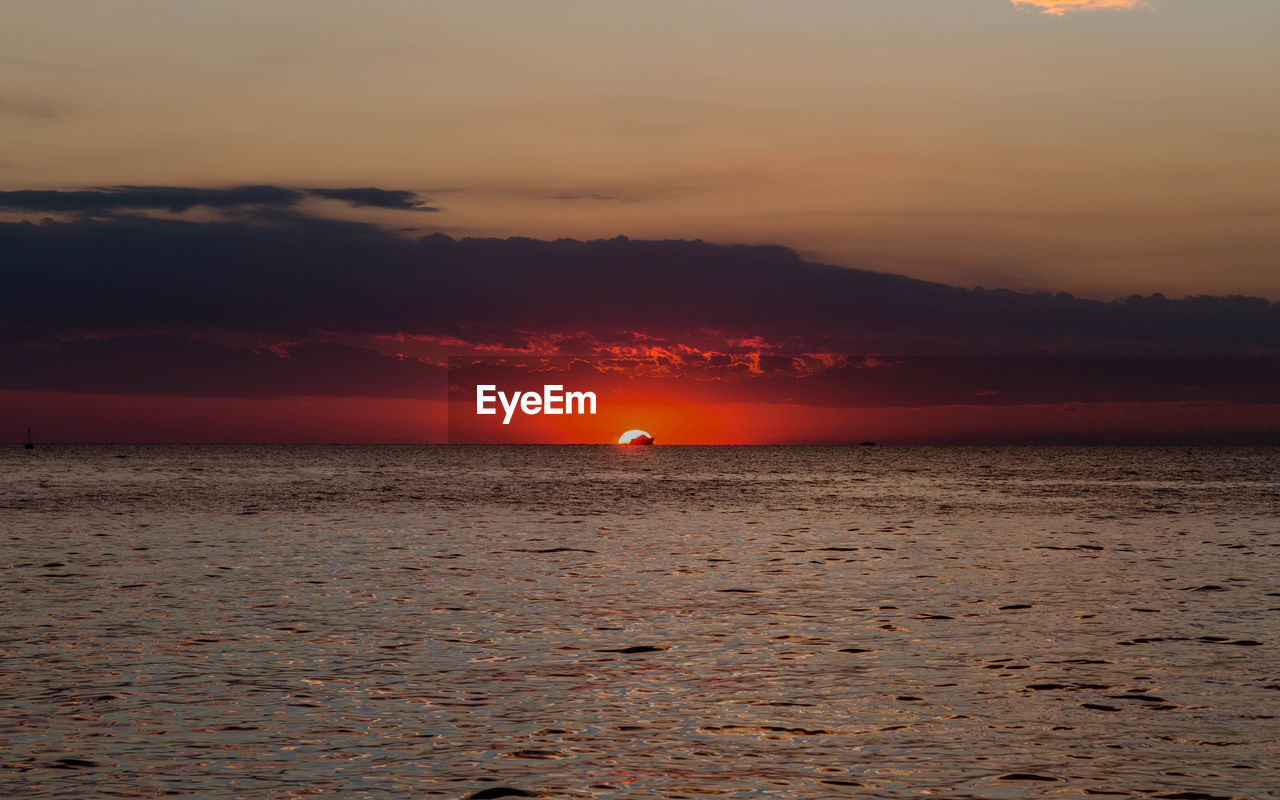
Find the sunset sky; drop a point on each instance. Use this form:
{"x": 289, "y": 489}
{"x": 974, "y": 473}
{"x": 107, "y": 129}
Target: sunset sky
{"x": 277, "y": 221}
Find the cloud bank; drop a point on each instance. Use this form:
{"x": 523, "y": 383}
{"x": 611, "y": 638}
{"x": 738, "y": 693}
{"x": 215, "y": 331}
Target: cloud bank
{"x": 1060, "y": 8}
{"x": 284, "y": 303}
{"x": 109, "y": 199}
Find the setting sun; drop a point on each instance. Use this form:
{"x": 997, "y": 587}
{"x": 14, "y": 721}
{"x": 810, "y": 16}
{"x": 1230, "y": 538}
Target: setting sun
{"x": 635, "y": 437}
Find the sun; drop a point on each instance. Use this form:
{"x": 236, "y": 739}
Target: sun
{"x": 635, "y": 437}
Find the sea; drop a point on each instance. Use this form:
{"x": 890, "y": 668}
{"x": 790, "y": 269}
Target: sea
{"x": 639, "y": 622}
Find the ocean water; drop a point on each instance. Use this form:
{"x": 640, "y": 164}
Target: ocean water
{"x": 603, "y": 622}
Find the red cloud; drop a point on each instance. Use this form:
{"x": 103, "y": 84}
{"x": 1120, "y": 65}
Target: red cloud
{"x": 1059, "y": 7}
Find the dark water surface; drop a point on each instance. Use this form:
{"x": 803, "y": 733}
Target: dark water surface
{"x": 776, "y": 622}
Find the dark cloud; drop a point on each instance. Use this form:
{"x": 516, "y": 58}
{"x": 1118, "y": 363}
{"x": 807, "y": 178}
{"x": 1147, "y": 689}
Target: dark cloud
{"x": 921, "y": 381}
{"x": 375, "y": 198}
{"x": 130, "y": 198}
{"x": 178, "y": 365}
{"x": 110, "y": 199}
{"x": 1017, "y": 380}
{"x": 174, "y": 365}
{"x": 284, "y": 275}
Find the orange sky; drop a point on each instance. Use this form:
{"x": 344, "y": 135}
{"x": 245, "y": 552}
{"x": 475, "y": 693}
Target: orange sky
{"x": 244, "y": 221}
{"x": 1047, "y": 144}
{"x": 130, "y": 418}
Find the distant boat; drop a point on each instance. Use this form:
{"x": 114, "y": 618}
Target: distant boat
{"x": 29, "y": 445}
{"x": 642, "y": 440}
{"x": 868, "y": 444}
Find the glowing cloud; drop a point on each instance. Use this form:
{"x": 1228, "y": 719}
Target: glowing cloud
{"x": 1058, "y": 8}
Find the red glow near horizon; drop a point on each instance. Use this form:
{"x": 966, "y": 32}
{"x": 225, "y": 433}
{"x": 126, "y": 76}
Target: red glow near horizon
{"x": 674, "y": 411}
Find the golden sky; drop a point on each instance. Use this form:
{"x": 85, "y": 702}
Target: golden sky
{"x": 988, "y": 142}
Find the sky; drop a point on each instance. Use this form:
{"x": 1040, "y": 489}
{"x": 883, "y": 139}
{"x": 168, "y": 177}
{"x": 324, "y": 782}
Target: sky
{"x": 255, "y": 221}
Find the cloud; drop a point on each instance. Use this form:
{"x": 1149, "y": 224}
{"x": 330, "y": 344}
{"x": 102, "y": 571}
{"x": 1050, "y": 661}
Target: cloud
{"x": 910, "y": 381}
{"x": 291, "y": 273}
{"x": 143, "y": 304}
{"x": 596, "y": 196}
{"x": 176, "y": 365}
{"x": 168, "y": 198}
{"x": 1059, "y": 8}
{"x": 109, "y": 199}
{"x": 375, "y": 198}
